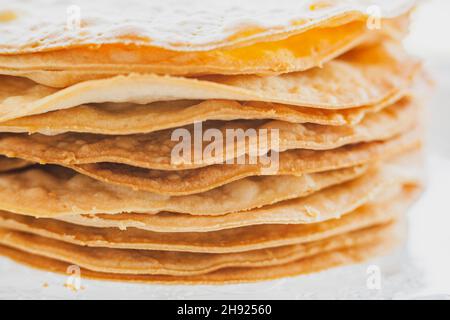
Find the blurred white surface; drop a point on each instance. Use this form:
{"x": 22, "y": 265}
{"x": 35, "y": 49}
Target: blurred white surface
{"x": 421, "y": 270}
{"x": 429, "y": 31}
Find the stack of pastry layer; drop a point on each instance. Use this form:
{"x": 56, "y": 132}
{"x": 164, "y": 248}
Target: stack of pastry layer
{"x": 88, "y": 114}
